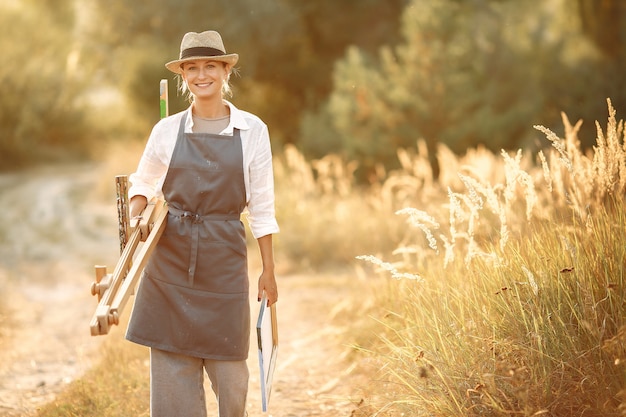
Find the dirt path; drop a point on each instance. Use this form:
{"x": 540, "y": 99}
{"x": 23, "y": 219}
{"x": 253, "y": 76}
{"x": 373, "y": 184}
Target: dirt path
{"x": 311, "y": 379}
{"x": 54, "y": 228}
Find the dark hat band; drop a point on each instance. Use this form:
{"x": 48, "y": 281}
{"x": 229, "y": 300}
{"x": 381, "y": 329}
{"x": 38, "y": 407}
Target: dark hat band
{"x": 200, "y": 51}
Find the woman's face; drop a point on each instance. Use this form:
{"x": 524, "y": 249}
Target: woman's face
{"x": 205, "y": 77}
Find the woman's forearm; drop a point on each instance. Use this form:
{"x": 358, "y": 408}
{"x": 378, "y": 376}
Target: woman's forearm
{"x": 267, "y": 280}
{"x": 267, "y": 252}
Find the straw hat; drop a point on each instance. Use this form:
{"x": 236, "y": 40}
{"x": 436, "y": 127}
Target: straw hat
{"x": 205, "y": 45}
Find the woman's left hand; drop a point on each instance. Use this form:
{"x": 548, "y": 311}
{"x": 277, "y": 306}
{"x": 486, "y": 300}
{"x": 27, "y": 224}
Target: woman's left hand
{"x": 267, "y": 283}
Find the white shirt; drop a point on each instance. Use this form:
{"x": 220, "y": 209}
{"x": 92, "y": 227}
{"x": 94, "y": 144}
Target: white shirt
{"x": 257, "y": 164}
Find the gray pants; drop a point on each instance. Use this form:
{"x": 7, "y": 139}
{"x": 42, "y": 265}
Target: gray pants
{"x": 177, "y": 390}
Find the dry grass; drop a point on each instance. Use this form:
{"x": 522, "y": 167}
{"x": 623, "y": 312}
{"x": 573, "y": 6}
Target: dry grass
{"x": 326, "y": 218}
{"x": 117, "y": 386}
{"x": 520, "y": 309}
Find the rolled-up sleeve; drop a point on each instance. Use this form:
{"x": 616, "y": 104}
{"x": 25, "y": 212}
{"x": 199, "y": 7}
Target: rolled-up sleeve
{"x": 261, "y": 211}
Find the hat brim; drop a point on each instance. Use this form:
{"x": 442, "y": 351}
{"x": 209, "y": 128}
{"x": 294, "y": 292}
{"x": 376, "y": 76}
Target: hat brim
{"x": 176, "y": 66}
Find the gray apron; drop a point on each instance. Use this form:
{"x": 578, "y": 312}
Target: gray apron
{"x": 193, "y": 296}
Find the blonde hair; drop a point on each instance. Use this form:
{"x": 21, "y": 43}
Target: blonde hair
{"x": 226, "y": 87}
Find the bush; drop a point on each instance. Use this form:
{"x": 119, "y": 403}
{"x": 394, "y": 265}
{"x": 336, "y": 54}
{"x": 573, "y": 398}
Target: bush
{"x": 41, "y": 114}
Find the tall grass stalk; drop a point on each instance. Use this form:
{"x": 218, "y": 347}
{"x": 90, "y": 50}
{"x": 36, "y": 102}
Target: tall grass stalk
{"x": 327, "y": 217}
{"x": 523, "y": 313}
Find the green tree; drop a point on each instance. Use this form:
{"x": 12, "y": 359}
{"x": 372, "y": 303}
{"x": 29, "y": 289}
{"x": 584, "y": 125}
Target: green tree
{"x": 287, "y": 48}
{"x": 602, "y": 22}
{"x": 40, "y": 110}
{"x": 465, "y": 73}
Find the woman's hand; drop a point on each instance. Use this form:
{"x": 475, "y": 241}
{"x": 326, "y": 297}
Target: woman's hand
{"x": 267, "y": 283}
{"x": 137, "y": 204}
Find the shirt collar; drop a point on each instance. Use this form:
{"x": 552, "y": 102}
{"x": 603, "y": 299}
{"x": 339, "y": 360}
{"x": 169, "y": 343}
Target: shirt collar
{"x": 237, "y": 120}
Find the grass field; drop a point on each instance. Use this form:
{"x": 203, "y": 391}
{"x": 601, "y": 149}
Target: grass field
{"x": 505, "y": 289}
{"x": 512, "y": 296}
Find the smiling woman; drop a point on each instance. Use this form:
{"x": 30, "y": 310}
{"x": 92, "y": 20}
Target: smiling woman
{"x": 205, "y": 79}
{"x": 209, "y": 163}
{"x": 195, "y": 56}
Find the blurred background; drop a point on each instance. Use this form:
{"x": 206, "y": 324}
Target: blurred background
{"x": 374, "y": 107}
{"x": 356, "y": 78}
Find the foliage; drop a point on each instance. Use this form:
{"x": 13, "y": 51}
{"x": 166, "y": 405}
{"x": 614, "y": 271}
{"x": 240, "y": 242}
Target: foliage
{"x": 465, "y": 73}
{"x": 459, "y": 73}
{"x": 40, "y": 111}
{"x": 280, "y": 43}
{"x": 519, "y": 307}
{"x": 72, "y": 66}
{"x": 326, "y": 217}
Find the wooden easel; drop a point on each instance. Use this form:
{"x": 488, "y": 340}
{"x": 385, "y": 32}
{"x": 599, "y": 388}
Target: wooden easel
{"x": 114, "y": 290}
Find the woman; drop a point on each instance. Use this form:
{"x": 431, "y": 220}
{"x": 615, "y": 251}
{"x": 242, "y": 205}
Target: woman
{"x": 209, "y": 162}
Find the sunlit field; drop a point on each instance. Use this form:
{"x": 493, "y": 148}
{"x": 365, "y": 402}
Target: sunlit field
{"x": 497, "y": 290}
{"x": 510, "y": 293}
